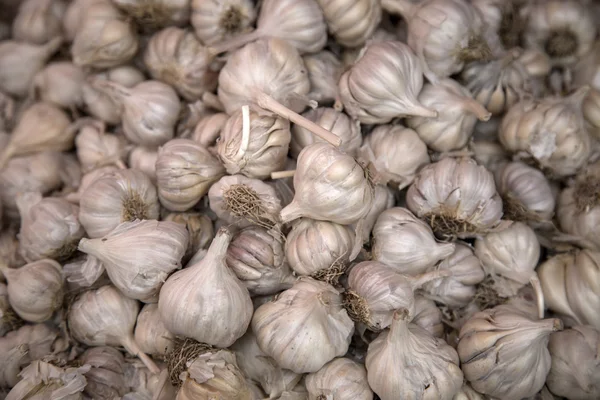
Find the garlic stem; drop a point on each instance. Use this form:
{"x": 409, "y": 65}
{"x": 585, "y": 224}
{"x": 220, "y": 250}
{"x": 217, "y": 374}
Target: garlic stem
{"x": 235, "y": 42}
{"x": 539, "y": 294}
{"x": 161, "y": 385}
{"x": 219, "y": 245}
{"x": 419, "y": 280}
{"x": 476, "y": 108}
{"x": 132, "y": 347}
{"x": 290, "y": 213}
{"x": 283, "y": 174}
{"x": 245, "y": 132}
{"x": 420, "y": 111}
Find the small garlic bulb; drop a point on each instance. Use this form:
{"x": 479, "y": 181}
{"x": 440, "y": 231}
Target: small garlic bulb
{"x": 193, "y": 301}
{"x": 396, "y": 154}
{"x": 37, "y": 21}
{"x": 150, "y": 332}
{"x": 407, "y": 362}
{"x": 457, "y": 197}
{"x": 115, "y": 197}
{"x": 217, "y": 20}
{"x": 351, "y": 22}
{"x": 405, "y": 243}
{"x": 144, "y": 159}
{"x": 428, "y": 316}
{"x": 254, "y": 144}
{"x": 324, "y": 71}
{"x": 457, "y": 113}
{"x": 105, "y": 38}
{"x": 35, "y": 290}
{"x": 60, "y": 83}
{"x": 371, "y": 95}
{"x": 504, "y": 353}
{"x": 139, "y": 255}
{"x": 340, "y": 379}
{"x": 200, "y": 229}
{"x": 305, "y": 327}
{"x": 156, "y": 13}
{"x": 96, "y": 148}
{"x": 207, "y": 131}
{"x": 329, "y": 186}
{"x": 105, "y": 379}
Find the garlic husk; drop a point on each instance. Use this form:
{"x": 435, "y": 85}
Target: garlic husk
{"x": 105, "y": 317}
{"x": 493, "y": 342}
{"x": 254, "y": 144}
{"x": 383, "y": 199}
{"x": 139, "y": 255}
{"x": 38, "y": 21}
{"x": 395, "y": 153}
{"x": 575, "y": 371}
{"x": 145, "y": 384}
{"x": 200, "y": 229}
{"x": 105, "y": 379}
{"x": 144, "y": 159}
{"x": 351, "y": 23}
{"x": 426, "y": 366}
{"x": 116, "y": 197}
{"x": 324, "y": 71}
{"x": 375, "y": 98}
{"x": 150, "y": 333}
{"x": 405, "y": 243}
{"x": 105, "y": 38}
{"x": 457, "y": 197}
{"x": 185, "y": 170}
{"x": 86, "y": 180}
{"x": 217, "y": 20}
{"x": 73, "y": 16}
{"x": 35, "y": 291}
{"x": 12, "y": 359}
{"x": 84, "y": 272}
{"x": 97, "y": 148}
{"x": 19, "y": 62}
{"x": 257, "y": 258}
{"x": 329, "y": 186}
{"x": 457, "y": 113}
{"x": 49, "y": 227}
{"x": 192, "y": 301}
{"x": 208, "y": 129}
{"x": 340, "y": 379}
{"x": 428, "y": 316}
{"x": 305, "y": 327}
{"x": 176, "y": 57}
{"x": 151, "y": 14}
{"x": 245, "y": 202}
{"x": 60, "y": 83}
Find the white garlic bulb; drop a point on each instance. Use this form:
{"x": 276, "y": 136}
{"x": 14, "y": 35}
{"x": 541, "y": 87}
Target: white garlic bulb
{"x": 457, "y": 197}
{"x": 146, "y": 384}
{"x": 208, "y": 129}
{"x": 428, "y": 316}
{"x": 115, "y": 197}
{"x": 73, "y": 16}
{"x": 457, "y": 114}
{"x": 156, "y": 13}
{"x": 305, "y": 327}
{"x": 371, "y": 95}
{"x": 192, "y": 301}
{"x": 105, "y": 379}
{"x": 340, "y": 379}
{"x": 86, "y": 180}
{"x": 254, "y": 144}
{"x": 139, "y": 255}
{"x": 351, "y": 22}
{"x": 38, "y": 21}
{"x": 324, "y": 71}
{"x": 97, "y": 148}
{"x": 422, "y": 366}
{"x": 217, "y": 20}
{"x": 405, "y": 243}
{"x": 504, "y": 353}
{"x": 144, "y": 159}
{"x": 60, "y": 83}
{"x": 150, "y": 332}
{"x": 489, "y": 153}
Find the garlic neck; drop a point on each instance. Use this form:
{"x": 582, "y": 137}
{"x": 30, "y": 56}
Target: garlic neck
{"x": 218, "y": 247}
{"x": 418, "y": 281}
{"x": 399, "y": 327}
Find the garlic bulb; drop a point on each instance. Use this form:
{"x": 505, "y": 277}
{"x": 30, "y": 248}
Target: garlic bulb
{"x": 208, "y": 130}
{"x": 457, "y": 197}
{"x": 254, "y": 144}
{"x": 329, "y": 185}
{"x": 35, "y": 290}
{"x": 525, "y": 191}
{"x": 73, "y": 17}
{"x": 457, "y": 113}
{"x": 49, "y": 227}
{"x": 96, "y": 148}
{"x": 383, "y": 199}
{"x": 150, "y": 332}
{"x": 87, "y": 179}
{"x": 503, "y": 352}
{"x": 156, "y": 13}
{"x": 144, "y": 159}
{"x": 217, "y": 20}
{"x": 38, "y": 21}
{"x": 351, "y": 22}
{"x": 176, "y": 57}
{"x": 405, "y": 243}
{"x": 305, "y": 327}
{"x": 575, "y": 371}
{"x": 145, "y": 384}
{"x": 256, "y": 257}
{"x": 19, "y": 62}
{"x": 244, "y": 202}
{"x": 371, "y": 95}
{"x": 105, "y": 379}
{"x": 395, "y": 153}
{"x": 428, "y": 316}
{"x": 83, "y": 272}
{"x": 105, "y": 317}
{"x": 115, "y": 197}
{"x": 60, "y": 83}
{"x": 200, "y": 229}
{"x": 139, "y": 255}
{"x": 340, "y": 379}
{"x": 105, "y": 38}
{"x": 324, "y": 71}
{"x": 194, "y": 300}
{"x": 426, "y": 366}
{"x": 490, "y": 154}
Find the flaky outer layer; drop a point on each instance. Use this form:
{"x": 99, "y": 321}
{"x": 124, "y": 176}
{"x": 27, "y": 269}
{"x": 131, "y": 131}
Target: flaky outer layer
{"x": 351, "y": 22}
{"x": 342, "y": 379}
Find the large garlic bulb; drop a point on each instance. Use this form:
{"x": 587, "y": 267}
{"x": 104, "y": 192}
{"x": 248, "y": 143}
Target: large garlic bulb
{"x": 97, "y": 148}
{"x": 340, "y": 379}
{"x": 151, "y": 334}
{"x": 105, "y": 379}
{"x": 504, "y": 353}
{"x": 60, "y": 83}
{"x": 217, "y": 20}
{"x": 38, "y": 21}
{"x": 151, "y": 14}
{"x": 407, "y": 362}
{"x": 351, "y": 22}
{"x": 305, "y": 327}
{"x": 324, "y": 71}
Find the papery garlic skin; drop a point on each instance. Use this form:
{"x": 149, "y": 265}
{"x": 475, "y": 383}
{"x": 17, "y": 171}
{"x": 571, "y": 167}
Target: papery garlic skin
{"x": 96, "y": 148}
{"x": 217, "y": 20}
{"x": 428, "y": 316}
{"x": 144, "y": 384}
{"x": 200, "y": 229}
{"x": 105, "y": 379}
{"x": 324, "y": 71}
{"x": 312, "y": 327}
{"x": 151, "y": 334}
{"x": 38, "y": 21}
{"x": 351, "y": 23}
{"x": 382, "y": 200}
{"x": 60, "y": 83}
{"x": 156, "y": 13}
{"x": 341, "y": 379}
{"x": 87, "y": 179}
{"x": 144, "y": 160}
{"x": 208, "y": 129}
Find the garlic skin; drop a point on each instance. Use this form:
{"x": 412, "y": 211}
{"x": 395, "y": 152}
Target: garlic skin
{"x": 396, "y": 154}
{"x": 73, "y": 17}
{"x": 150, "y": 332}
{"x": 86, "y": 180}
{"x": 105, "y": 379}
{"x": 139, "y": 255}
{"x": 575, "y": 371}
{"x": 312, "y": 328}
{"x": 144, "y": 159}
{"x": 217, "y": 20}
{"x": 97, "y": 148}
{"x": 35, "y": 290}
{"x": 37, "y": 22}
{"x": 337, "y": 122}
{"x": 340, "y": 379}
{"x": 429, "y": 366}
{"x": 374, "y": 98}
{"x": 324, "y": 71}
{"x": 156, "y": 13}
{"x": 174, "y": 56}
{"x": 200, "y": 229}
{"x": 351, "y": 23}
{"x": 116, "y": 197}
{"x": 253, "y": 144}
{"x": 60, "y": 83}
{"x": 457, "y": 114}
{"x": 405, "y": 243}
{"x": 208, "y": 130}
{"x": 192, "y": 301}
{"x": 105, "y": 38}
{"x": 428, "y": 316}
{"x": 460, "y": 194}
{"x": 494, "y": 341}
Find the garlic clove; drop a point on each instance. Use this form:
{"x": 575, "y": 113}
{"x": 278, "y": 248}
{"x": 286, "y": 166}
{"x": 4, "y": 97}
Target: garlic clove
{"x": 341, "y": 379}
{"x": 37, "y": 21}
{"x": 96, "y": 148}
{"x": 151, "y": 334}
{"x": 215, "y": 21}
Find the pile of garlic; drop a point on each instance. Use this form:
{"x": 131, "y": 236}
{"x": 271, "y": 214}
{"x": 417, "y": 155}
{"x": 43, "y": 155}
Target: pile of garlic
{"x": 299, "y": 199}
